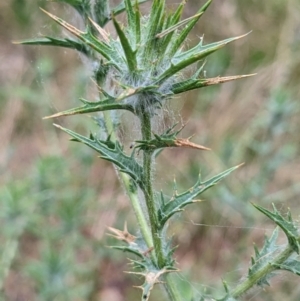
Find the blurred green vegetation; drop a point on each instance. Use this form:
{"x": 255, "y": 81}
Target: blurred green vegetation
{"x": 57, "y": 198}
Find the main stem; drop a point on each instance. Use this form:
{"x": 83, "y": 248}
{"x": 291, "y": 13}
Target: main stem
{"x": 170, "y": 283}
{"x": 142, "y": 221}
{"x": 145, "y": 118}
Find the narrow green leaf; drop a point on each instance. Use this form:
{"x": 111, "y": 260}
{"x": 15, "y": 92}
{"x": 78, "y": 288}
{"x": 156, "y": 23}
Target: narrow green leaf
{"x": 179, "y": 201}
{"x": 109, "y": 103}
{"x": 130, "y": 16}
{"x": 192, "y": 83}
{"x": 111, "y": 151}
{"x": 157, "y": 10}
{"x": 177, "y": 25}
{"x": 182, "y": 37}
{"x": 199, "y": 48}
{"x": 287, "y": 226}
{"x": 177, "y": 14}
{"x": 192, "y": 56}
{"x": 91, "y": 106}
{"x": 163, "y": 43}
{"x": 49, "y": 41}
{"x": 153, "y": 27}
{"x": 167, "y": 33}
{"x": 137, "y": 24}
{"x": 129, "y": 53}
{"x": 291, "y": 265}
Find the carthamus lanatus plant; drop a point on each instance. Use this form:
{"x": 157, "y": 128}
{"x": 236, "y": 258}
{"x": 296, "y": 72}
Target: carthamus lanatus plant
{"x": 138, "y": 67}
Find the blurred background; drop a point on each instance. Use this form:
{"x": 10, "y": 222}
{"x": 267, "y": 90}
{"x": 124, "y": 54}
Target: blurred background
{"x": 57, "y": 197}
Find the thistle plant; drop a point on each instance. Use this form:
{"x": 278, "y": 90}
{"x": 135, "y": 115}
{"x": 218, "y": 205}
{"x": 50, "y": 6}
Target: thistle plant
{"x": 138, "y": 68}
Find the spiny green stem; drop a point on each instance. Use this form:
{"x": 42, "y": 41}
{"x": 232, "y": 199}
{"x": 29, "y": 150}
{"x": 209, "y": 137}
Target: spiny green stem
{"x": 253, "y": 279}
{"x": 145, "y": 118}
{"x": 132, "y": 195}
{"x": 170, "y": 285}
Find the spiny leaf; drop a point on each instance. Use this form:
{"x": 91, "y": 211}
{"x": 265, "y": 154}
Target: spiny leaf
{"x": 137, "y": 24}
{"x": 287, "y": 226}
{"x": 170, "y": 21}
{"x": 157, "y": 11}
{"x": 291, "y": 265}
{"x": 192, "y": 56}
{"x": 181, "y": 38}
{"x": 154, "y": 25}
{"x": 177, "y": 14}
{"x": 129, "y": 53}
{"x": 130, "y": 16}
{"x": 178, "y": 202}
{"x": 111, "y": 151}
{"x": 49, "y": 41}
{"x": 167, "y": 139}
{"x": 264, "y": 257}
{"x": 201, "y": 49}
{"x": 91, "y": 106}
{"x": 163, "y": 43}
{"x": 192, "y": 83}
{"x": 87, "y": 37}
{"x": 177, "y": 25}
{"x": 109, "y": 103}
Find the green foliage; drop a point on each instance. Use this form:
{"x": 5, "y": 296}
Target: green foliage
{"x": 179, "y": 201}
{"x": 67, "y": 43}
{"x": 112, "y": 151}
{"x": 264, "y": 257}
{"x": 137, "y": 71}
{"x": 49, "y": 210}
{"x": 133, "y": 63}
{"x": 287, "y": 225}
